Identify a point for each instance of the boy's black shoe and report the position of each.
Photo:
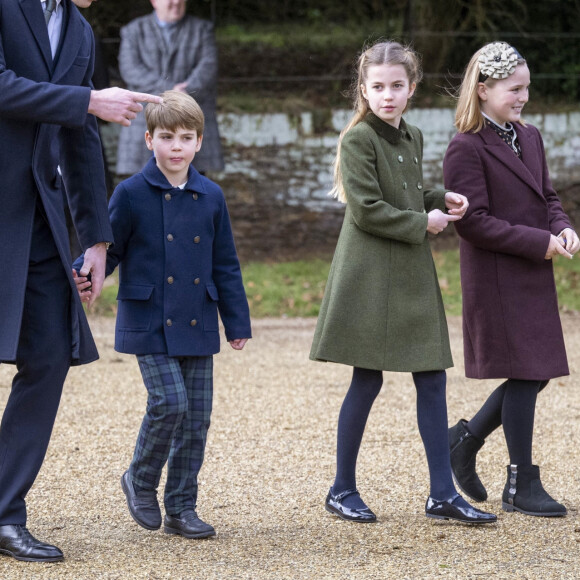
(188, 525)
(18, 542)
(143, 505)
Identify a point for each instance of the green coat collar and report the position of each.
(387, 131)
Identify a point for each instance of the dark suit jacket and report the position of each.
(178, 266)
(44, 123)
(511, 323)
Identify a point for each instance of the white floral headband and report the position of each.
(497, 60)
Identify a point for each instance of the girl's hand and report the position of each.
(556, 247)
(437, 220)
(238, 343)
(456, 203)
(570, 239)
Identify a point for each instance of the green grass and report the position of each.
(567, 275)
(447, 264)
(285, 289)
(292, 289)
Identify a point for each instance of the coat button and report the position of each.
(169, 322)
(169, 237)
(195, 196)
(419, 186)
(404, 185)
(170, 280)
(168, 196)
(196, 239)
(193, 322)
(415, 160)
(400, 158)
(196, 281)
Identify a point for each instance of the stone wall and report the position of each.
(279, 170)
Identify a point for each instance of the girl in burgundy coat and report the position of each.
(513, 228)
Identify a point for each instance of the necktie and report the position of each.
(50, 6)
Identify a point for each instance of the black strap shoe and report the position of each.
(143, 505)
(18, 542)
(188, 524)
(447, 510)
(334, 505)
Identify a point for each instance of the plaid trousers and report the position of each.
(175, 425)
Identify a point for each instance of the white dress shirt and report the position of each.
(54, 25)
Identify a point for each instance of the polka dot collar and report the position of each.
(507, 134)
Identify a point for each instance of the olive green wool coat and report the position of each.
(382, 308)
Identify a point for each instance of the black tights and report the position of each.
(513, 405)
(431, 418)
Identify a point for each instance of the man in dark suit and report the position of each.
(47, 120)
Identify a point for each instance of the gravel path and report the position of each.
(269, 463)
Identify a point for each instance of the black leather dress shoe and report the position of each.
(334, 505)
(188, 525)
(143, 505)
(446, 510)
(18, 542)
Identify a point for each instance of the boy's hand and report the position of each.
(238, 343)
(83, 286)
(94, 264)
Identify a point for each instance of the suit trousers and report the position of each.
(175, 425)
(42, 362)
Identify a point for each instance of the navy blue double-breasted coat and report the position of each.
(177, 266)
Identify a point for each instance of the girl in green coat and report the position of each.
(382, 309)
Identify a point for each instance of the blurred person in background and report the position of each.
(168, 49)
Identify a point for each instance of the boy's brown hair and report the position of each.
(177, 111)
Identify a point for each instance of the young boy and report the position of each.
(178, 267)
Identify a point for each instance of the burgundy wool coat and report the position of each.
(511, 323)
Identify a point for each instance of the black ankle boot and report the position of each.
(524, 493)
(463, 447)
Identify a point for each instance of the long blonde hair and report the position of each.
(383, 52)
(468, 115)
